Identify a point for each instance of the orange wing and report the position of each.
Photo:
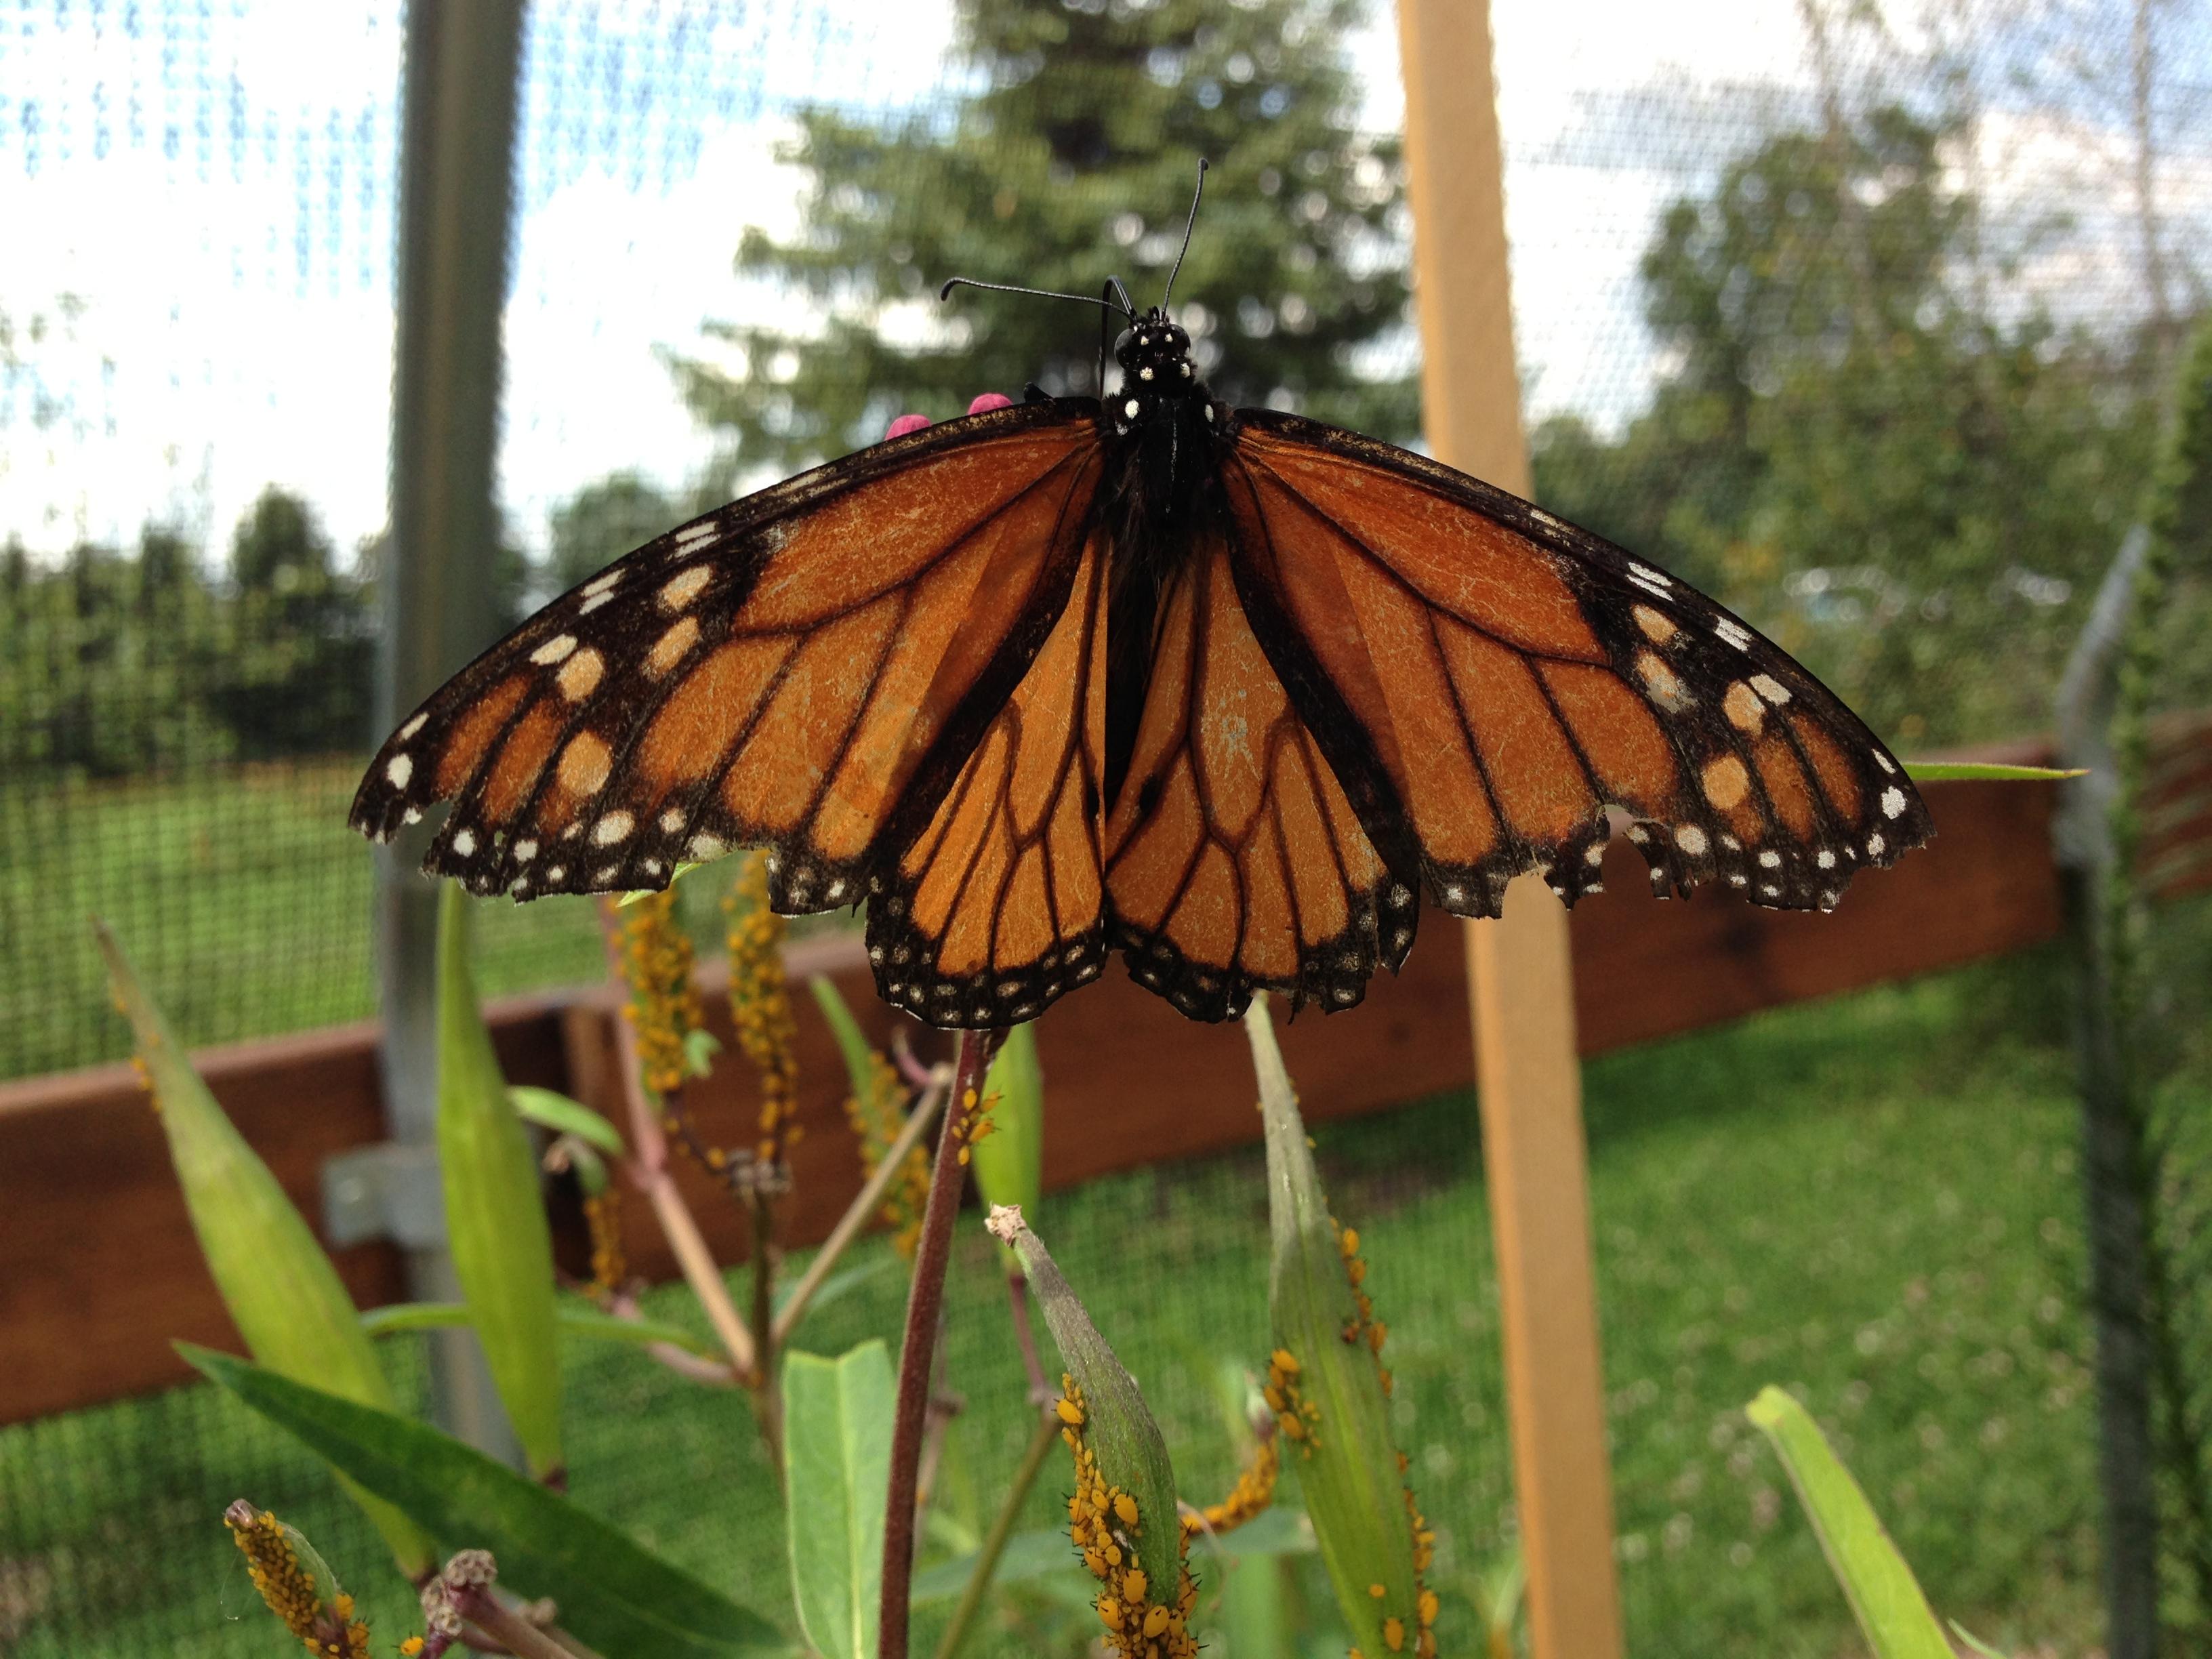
(808, 670)
(1234, 860)
(996, 909)
(1488, 681)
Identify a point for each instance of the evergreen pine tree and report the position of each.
(1074, 157)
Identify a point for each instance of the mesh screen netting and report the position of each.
(1859, 316)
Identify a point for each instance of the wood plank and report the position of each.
(99, 1270)
(1520, 965)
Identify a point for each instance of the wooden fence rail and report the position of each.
(99, 1270)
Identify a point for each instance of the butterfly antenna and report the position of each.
(1123, 306)
(1191, 225)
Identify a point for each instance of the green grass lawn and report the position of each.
(243, 897)
(1871, 1200)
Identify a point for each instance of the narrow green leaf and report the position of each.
(1891, 1611)
(280, 1288)
(852, 1041)
(576, 1319)
(1337, 1433)
(1974, 1643)
(1028, 1556)
(550, 1108)
(613, 1594)
(682, 870)
(495, 1224)
(837, 1464)
(1009, 1162)
(1978, 772)
(1118, 1427)
(839, 1285)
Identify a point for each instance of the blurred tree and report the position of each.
(1849, 449)
(1074, 158)
(300, 656)
(601, 522)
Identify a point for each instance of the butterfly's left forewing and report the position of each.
(806, 669)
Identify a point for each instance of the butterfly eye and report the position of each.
(1122, 346)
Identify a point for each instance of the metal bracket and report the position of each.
(388, 1191)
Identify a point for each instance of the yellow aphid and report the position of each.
(1394, 1633)
(1376, 1332)
(1070, 1412)
(1348, 1242)
(1125, 1507)
(1109, 1613)
(1284, 1360)
(1134, 1584)
(1428, 1606)
(1376, 1592)
(1156, 1621)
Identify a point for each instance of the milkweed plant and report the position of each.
(504, 1560)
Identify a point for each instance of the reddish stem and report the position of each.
(924, 1304)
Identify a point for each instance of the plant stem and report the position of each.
(1041, 1393)
(511, 1631)
(856, 1215)
(768, 1397)
(1002, 1528)
(924, 1303)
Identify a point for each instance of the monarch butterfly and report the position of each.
(1226, 690)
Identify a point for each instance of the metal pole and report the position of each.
(1521, 977)
(456, 190)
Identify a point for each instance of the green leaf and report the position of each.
(576, 1319)
(1978, 772)
(1028, 1556)
(1346, 1461)
(280, 1288)
(495, 1224)
(1974, 1643)
(681, 871)
(613, 1593)
(852, 1041)
(1891, 1611)
(837, 1464)
(1009, 1162)
(841, 1283)
(1118, 1427)
(550, 1108)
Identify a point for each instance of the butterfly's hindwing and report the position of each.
(994, 909)
(1234, 860)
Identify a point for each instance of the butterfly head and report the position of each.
(1156, 366)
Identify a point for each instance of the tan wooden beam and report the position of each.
(1520, 968)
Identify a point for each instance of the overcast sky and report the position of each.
(216, 192)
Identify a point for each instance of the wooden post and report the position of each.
(1519, 970)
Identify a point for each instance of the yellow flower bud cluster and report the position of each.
(603, 1218)
(1297, 1417)
(663, 1007)
(272, 1562)
(760, 1006)
(876, 1122)
(1103, 1522)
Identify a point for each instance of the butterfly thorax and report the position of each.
(1161, 489)
(1158, 377)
